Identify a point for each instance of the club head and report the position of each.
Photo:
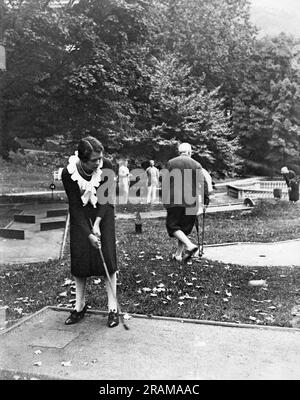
(198, 254)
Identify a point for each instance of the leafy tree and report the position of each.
(214, 37)
(35, 42)
(79, 70)
(266, 113)
(184, 110)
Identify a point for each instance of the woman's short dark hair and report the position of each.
(87, 145)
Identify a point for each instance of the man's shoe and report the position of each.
(113, 319)
(76, 316)
(190, 253)
(176, 258)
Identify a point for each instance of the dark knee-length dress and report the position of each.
(85, 259)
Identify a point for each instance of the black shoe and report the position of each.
(76, 316)
(190, 254)
(113, 319)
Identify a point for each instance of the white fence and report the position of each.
(259, 189)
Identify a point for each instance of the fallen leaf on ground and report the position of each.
(37, 363)
(270, 318)
(67, 282)
(253, 318)
(188, 297)
(66, 363)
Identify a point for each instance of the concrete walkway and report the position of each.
(41, 346)
(153, 348)
(285, 253)
(38, 245)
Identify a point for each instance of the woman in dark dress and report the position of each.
(91, 225)
(292, 182)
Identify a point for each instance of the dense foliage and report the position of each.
(143, 75)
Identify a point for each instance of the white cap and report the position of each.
(184, 148)
(284, 170)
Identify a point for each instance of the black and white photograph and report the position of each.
(149, 193)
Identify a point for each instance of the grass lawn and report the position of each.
(29, 172)
(152, 284)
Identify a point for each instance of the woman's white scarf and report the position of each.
(87, 187)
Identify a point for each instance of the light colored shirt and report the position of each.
(123, 173)
(153, 176)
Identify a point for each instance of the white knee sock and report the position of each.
(112, 304)
(80, 293)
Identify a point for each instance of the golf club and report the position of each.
(198, 236)
(111, 286)
(203, 221)
(200, 247)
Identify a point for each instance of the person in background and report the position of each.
(178, 197)
(153, 182)
(91, 225)
(124, 182)
(292, 182)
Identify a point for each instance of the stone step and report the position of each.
(57, 213)
(45, 226)
(12, 233)
(28, 219)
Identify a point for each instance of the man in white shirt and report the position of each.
(153, 182)
(124, 181)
